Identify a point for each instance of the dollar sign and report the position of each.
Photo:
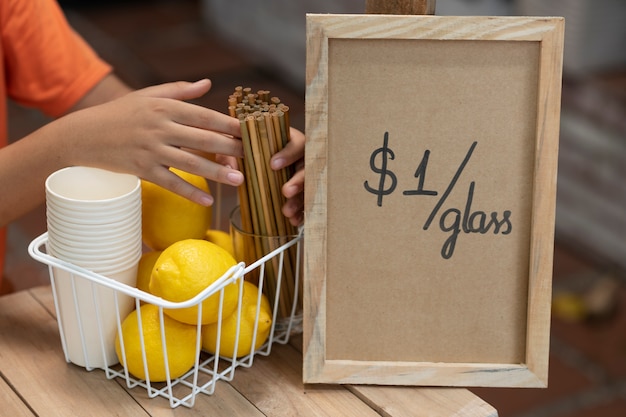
(383, 171)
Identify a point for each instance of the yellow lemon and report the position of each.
(180, 341)
(144, 269)
(167, 217)
(221, 238)
(228, 331)
(185, 269)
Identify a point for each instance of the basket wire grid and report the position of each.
(208, 368)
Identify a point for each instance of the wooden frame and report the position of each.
(325, 205)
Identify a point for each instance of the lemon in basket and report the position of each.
(184, 270)
(180, 341)
(228, 331)
(167, 217)
(144, 269)
(221, 238)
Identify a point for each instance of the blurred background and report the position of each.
(261, 44)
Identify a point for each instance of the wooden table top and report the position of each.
(36, 381)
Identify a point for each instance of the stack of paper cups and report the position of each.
(94, 222)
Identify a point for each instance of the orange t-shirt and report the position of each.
(45, 65)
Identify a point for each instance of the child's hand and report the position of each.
(293, 190)
(147, 131)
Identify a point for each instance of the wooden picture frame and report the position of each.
(430, 189)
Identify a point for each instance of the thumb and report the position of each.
(179, 90)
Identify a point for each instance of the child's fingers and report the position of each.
(180, 90)
(292, 152)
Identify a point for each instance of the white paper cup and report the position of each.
(78, 244)
(95, 247)
(92, 219)
(108, 268)
(94, 222)
(112, 232)
(94, 251)
(87, 188)
(88, 314)
(102, 239)
(96, 261)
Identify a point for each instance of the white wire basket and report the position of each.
(97, 292)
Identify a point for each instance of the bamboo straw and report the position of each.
(264, 123)
(249, 214)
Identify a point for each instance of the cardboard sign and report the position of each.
(431, 164)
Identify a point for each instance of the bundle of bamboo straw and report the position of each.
(264, 131)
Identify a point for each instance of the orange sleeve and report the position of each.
(48, 66)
